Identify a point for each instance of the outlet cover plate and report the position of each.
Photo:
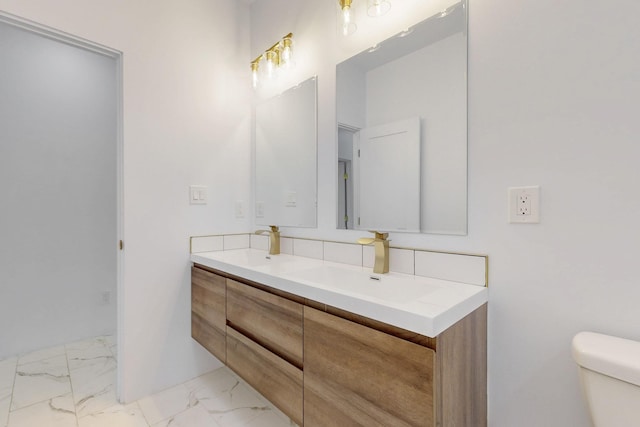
(524, 205)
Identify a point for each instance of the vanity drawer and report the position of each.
(208, 311)
(358, 376)
(271, 376)
(270, 320)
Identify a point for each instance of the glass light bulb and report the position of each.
(378, 7)
(286, 56)
(348, 25)
(270, 64)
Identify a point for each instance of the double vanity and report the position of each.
(332, 344)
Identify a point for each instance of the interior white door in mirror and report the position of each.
(285, 162)
(387, 176)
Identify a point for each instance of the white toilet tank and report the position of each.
(610, 374)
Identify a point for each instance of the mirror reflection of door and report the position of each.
(345, 176)
(387, 176)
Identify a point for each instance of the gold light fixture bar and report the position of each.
(277, 55)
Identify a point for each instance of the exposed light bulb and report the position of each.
(378, 7)
(286, 56)
(347, 18)
(271, 63)
(254, 74)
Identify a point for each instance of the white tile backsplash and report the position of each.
(401, 260)
(206, 244)
(463, 268)
(346, 253)
(286, 245)
(308, 248)
(236, 241)
(455, 267)
(259, 241)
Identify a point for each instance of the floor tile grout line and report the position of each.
(13, 387)
(73, 395)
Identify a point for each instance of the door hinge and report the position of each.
(358, 220)
(121, 245)
(345, 176)
(358, 152)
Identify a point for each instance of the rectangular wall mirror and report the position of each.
(286, 158)
(402, 130)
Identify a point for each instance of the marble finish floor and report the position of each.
(73, 385)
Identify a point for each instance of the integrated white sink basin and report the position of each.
(386, 287)
(420, 304)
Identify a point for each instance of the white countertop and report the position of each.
(420, 304)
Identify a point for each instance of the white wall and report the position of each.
(186, 121)
(58, 138)
(553, 100)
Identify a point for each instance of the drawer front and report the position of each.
(213, 339)
(272, 321)
(208, 313)
(357, 376)
(271, 376)
(208, 297)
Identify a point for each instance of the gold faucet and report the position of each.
(381, 246)
(274, 239)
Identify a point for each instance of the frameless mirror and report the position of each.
(402, 130)
(286, 158)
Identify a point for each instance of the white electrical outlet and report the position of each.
(524, 205)
(239, 209)
(259, 209)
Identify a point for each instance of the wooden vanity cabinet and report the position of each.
(208, 311)
(358, 376)
(264, 344)
(325, 367)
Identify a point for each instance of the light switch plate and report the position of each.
(524, 205)
(198, 194)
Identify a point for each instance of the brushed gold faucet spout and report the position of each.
(381, 246)
(274, 239)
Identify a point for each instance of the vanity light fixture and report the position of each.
(347, 19)
(278, 55)
(378, 7)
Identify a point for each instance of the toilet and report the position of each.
(610, 375)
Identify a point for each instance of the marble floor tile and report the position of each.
(196, 416)
(94, 385)
(236, 406)
(87, 352)
(211, 384)
(115, 416)
(268, 419)
(55, 412)
(38, 355)
(7, 376)
(39, 381)
(166, 404)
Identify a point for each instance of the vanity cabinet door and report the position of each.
(273, 377)
(270, 320)
(208, 311)
(357, 376)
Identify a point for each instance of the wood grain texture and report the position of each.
(209, 337)
(208, 311)
(272, 321)
(461, 366)
(357, 376)
(271, 376)
(208, 297)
